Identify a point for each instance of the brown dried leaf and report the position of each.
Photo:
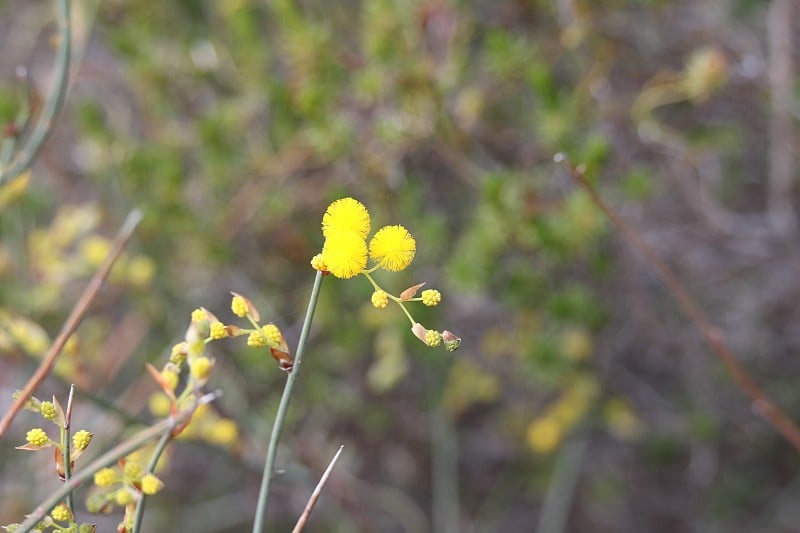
(410, 292)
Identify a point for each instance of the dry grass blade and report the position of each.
(74, 318)
(301, 522)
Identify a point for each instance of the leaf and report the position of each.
(410, 292)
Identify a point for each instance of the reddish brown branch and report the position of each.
(74, 319)
(713, 336)
(301, 523)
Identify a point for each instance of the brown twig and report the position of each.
(713, 336)
(74, 318)
(301, 522)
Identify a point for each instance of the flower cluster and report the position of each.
(345, 254)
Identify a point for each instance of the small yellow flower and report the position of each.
(81, 439)
(48, 410)
(318, 264)
(178, 353)
(60, 513)
(218, 331)
(132, 469)
(346, 214)
(198, 315)
(37, 437)
(380, 299)
(223, 432)
(345, 254)
(170, 378)
(159, 404)
(272, 333)
(200, 367)
(431, 297)
(151, 484)
(256, 339)
(123, 496)
(105, 477)
(392, 248)
(239, 306)
(433, 338)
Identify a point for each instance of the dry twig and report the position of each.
(301, 522)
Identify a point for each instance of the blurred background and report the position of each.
(581, 398)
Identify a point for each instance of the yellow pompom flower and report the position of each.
(223, 432)
(431, 297)
(239, 306)
(200, 367)
(151, 484)
(37, 437)
(345, 254)
(318, 264)
(346, 214)
(81, 439)
(159, 404)
(256, 339)
(60, 513)
(170, 378)
(178, 353)
(198, 315)
(433, 338)
(48, 410)
(123, 496)
(132, 469)
(272, 333)
(392, 248)
(105, 477)
(380, 299)
(218, 331)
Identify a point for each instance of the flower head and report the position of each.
(238, 306)
(37, 437)
(48, 410)
(60, 513)
(151, 484)
(392, 248)
(81, 439)
(272, 334)
(105, 477)
(345, 254)
(433, 338)
(431, 297)
(346, 214)
(318, 264)
(200, 368)
(380, 299)
(218, 331)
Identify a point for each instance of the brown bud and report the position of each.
(410, 292)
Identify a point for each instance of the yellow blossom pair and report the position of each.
(345, 226)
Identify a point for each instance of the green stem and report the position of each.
(107, 459)
(43, 125)
(277, 426)
(160, 447)
(395, 299)
(66, 456)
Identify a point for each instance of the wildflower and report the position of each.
(170, 378)
(223, 432)
(380, 299)
(60, 513)
(201, 367)
(159, 404)
(178, 353)
(346, 214)
(318, 264)
(81, 439)
(272, 334)
(345, 254)
(37, 437)
(218, 331)
(431, 297)
(256, 339)
(392, 248)
(238, 306)
(123, 496)
(105, 477)
(433, 338)
(151, 484)
(48, 410)
(198, 315)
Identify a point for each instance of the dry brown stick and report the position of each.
(301, 522)
(74, 318)
(713, 336)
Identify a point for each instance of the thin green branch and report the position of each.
(65, 446)
(160, 447)
(44, 123)
(269, 464)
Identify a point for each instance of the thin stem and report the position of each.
(65, 446)
(444, 471)
(269, 464)
(301, 522)
(160, 447)
(561, 489)
(74, 318)
(43, 125)
(107, 459)
(395, 299)
(712, 335)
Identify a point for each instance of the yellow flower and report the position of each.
(159, 404)
(239, 306)
(178, 353)
(380, 299)
(218, 331)
(256, 339)
(345, 254)
(431, 297)
(170, 378)
(48, 410)
(272, 333)
(105, 477)
(198, 315)
(433, 338)
(123, 496)
(223, 432)
(151, 484)
(392, 248)
(200, 367)
(81, 439)
(132, 469)
(346, 214)
(60, 513)
(37, 437)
